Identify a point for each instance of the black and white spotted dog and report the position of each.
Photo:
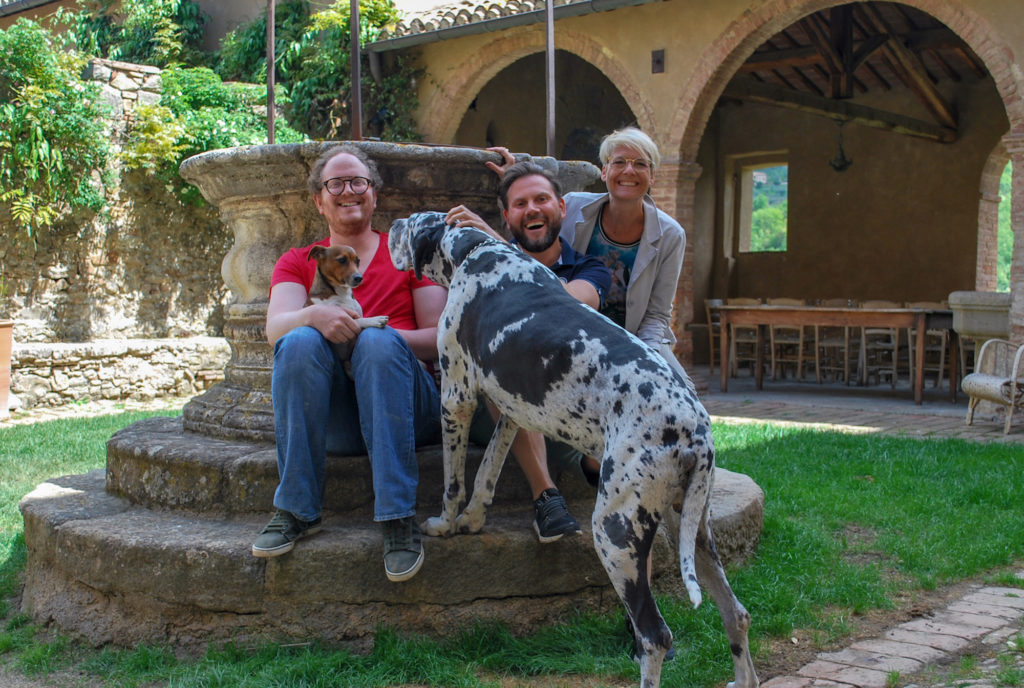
(511, 332)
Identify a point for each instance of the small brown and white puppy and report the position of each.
(337, 273)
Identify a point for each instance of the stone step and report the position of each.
(111, 571)
(155, 462)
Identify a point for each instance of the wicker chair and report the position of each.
(998, 378)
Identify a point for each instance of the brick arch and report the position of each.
(736, 43)
(985, 278)
(443, 113)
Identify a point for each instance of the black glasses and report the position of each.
(336, 185)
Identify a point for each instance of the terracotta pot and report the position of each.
(6, 342)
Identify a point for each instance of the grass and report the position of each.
(851, 521)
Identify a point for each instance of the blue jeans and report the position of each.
(392, 406)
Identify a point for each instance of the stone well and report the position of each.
(156, 548)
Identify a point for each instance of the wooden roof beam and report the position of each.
(911, 67)
(839, 110)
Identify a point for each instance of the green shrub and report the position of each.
(53, 138)
(151, 32)
(312, 64)
(243, 52)
(197, 112)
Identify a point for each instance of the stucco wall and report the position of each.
(902, 223)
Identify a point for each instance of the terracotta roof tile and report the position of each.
(461, 14)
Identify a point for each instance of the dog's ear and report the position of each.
(316, 252)
(425, 232)
(422, 251)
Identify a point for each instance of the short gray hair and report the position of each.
(630, 137)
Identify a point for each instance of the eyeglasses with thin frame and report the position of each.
(639, 164)
(336, 185)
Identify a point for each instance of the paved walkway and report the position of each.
(987, 622)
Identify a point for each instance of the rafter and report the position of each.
(911, 67)
(839, 110)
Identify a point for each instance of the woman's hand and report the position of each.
(507, 160)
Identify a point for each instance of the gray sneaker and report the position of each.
(403, 549)
(279, 536)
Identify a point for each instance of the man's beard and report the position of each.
(541, 244)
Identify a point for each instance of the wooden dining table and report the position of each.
(917, 320)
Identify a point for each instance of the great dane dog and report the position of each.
(511, 332)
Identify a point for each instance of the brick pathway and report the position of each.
(986, 621)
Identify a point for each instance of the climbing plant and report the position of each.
(53, 136)
(312, 65)
(151, 32)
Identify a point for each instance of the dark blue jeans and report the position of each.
(392, 406)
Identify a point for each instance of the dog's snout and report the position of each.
(357, 279)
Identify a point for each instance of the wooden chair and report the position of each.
(832, 347)
(879, 348)
(998, 377)
(936, 345)
(742, 340)
(787, 342)
(714, 318)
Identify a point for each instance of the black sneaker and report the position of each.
(553, 519)
(635, 652)
(279, 536)
(403, 549)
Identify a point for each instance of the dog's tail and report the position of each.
(695, 507)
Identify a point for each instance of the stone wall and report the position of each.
(143, 369)
(146, 267)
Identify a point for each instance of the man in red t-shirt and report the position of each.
(316, 407)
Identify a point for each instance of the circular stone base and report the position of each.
(109, 569)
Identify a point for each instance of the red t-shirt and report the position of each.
(384, 290)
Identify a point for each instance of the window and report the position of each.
(763, 206)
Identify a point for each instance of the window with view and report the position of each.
(764, 207)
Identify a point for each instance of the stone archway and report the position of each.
(443, 113)
(588, 105)
(738, 41)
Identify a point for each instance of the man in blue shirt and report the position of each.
(533, 210)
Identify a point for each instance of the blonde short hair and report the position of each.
(630, 137)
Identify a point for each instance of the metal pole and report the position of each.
(270, 70)
(356, 80)
(550, 80)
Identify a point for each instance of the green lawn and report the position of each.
(850, 520)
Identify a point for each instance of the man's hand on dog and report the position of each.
(461, 216)
(335, 324)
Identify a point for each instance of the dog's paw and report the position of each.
(436, 526)
(469, 523)
(379, 321)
